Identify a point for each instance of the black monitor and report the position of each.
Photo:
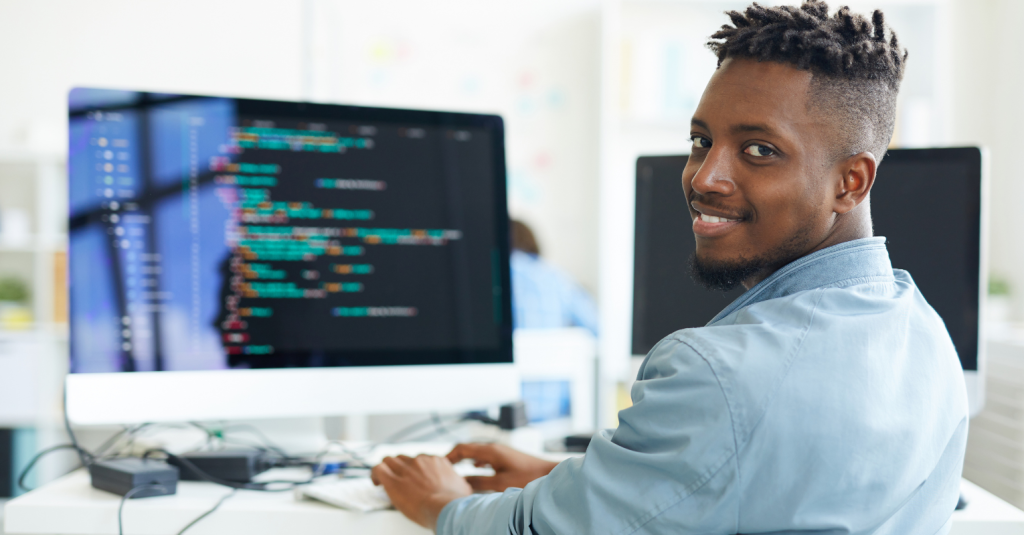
(215, 233)
(926, 202)
(665, 298)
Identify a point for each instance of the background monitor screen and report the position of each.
(214, 233)
(926, 202)
(665, 298)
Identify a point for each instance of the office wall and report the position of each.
(533, 62)
(988, 65)
(49, 46)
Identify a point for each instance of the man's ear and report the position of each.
(857, 177)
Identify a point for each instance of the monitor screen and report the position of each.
(665, 298)
(215, 233)
(926, 202)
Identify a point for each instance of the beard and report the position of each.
(722, 276)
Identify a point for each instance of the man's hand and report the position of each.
(511, 468)
(420, 487)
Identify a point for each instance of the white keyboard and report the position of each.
(356, 494)
(360, 494)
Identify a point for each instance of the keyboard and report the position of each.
(360, 494)
(355, 494)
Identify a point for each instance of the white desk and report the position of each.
(70, 506)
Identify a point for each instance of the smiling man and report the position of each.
(826, 399)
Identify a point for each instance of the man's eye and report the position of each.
(758, 150)
(700, 142)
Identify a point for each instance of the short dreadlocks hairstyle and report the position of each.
(856, 70)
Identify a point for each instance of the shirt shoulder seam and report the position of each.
(725, 395)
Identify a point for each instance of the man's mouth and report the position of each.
(713, 224)
(715, 219)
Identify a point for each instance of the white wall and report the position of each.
(988, 67)
(197, 46)
(534, 62)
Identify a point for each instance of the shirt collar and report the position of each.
(863, 259)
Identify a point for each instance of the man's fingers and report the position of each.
(458, 453)
(396, 464)
(380, 473)
(485, 483)
(481, 453)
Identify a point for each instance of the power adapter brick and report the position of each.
(236, 466)
(122, 475)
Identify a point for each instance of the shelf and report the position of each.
(58, 331)
(54, 244)
(31, 156)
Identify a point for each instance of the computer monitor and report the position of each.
(928, 203)
(238, 258)
(665, 298)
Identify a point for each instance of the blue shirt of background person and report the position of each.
(543, 297)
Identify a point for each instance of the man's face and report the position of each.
(759, 162)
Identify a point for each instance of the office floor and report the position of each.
(2, 502)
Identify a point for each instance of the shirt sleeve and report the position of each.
(669, 467)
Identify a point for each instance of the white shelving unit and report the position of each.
(36, 185)
(33, 361)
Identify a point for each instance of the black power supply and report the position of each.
(151, 477)
(235, 466)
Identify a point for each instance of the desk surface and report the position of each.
(70, 506)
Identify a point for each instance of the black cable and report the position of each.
(128, 495)
(100, 453)
(216, 480)
(435, 432)
(440, 426)
(400, 435)
(260, 435)
(109, 443)
(28, 468)
(83, 455)
(318, 464)
(129, 431)
(209, 512)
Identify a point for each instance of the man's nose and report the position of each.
(715, 174)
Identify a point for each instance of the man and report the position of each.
(826, 399)
(542, 296)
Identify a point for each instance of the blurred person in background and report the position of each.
(543, 297)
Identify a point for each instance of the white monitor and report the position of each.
(237, 258)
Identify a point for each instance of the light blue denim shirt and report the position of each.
(827, 399)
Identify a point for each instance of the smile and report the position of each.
(713, 219)
(709, 226)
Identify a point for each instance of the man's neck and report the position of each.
(854, 225)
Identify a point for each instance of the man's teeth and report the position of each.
(713, 219)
